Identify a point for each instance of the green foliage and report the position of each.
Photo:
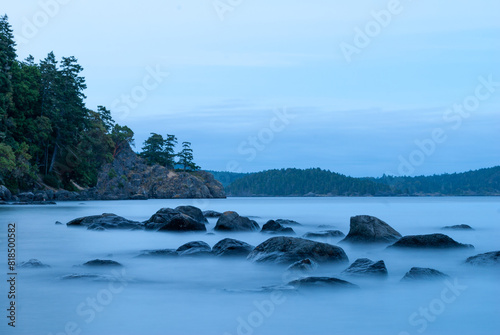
(45, 128)
(112, 173)
(157, 150)
(186, 158)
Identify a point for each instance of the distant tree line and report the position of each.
(297, 182)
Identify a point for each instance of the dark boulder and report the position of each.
(430, 241)
(232, 221)
(487, 259)
(286, 222)
(195, 248)
(105, 221)
(325, 234)
(158, 253)
(274, 227)
(305, 265)
(232, 247)
(33, 263)
(287, 250)
(168, 219)
(211, 214)
(102, 262)
(5, 194)
(193, 212)
(58, 222)
(423, 274)
(459, 227)
(40, 196)
(369, 229)
(366, 267)
(65, 196)
(321, 282)
(26, 197)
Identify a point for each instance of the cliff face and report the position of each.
(129, 177)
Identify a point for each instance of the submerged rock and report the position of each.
(321, 282)
(33, 263)
(369, 229)
(211, 214)
(416, 273)
(195, 248)
(286, 222)
(287, 250)
(232, 247)
(366, 267)
(430, 241)
(274, 227)
(487, 259)
(92, 276)
(158, 253)
(459, 227)
(102, 262)
(106, 221)
(168, 219)
(324, 234)
(305, 265)
(232, 221)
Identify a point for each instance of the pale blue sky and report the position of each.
(226, 78)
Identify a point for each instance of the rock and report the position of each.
(431, 241)
(287, 250)
(487, 259)
(26, 197)
(2, 202)
(459, 227)
(33, 263)
(232, 247)
(321, 282)
(40, 196)
(325, 234)
(58, 222)
(285, 222)
(423, 274)
(128, 176)
(273, 227)
(5, 194)
(168, 219)
(193, 212)
(102, 262)
(158, 253)
(105, 221)
(232, 221)
(195, 248)
(369, 229)
(138, 197)
(211, 214)
(366, 267)
(305, 265)
(66, 196)
(92, 276)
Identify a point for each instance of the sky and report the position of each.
(361, 87)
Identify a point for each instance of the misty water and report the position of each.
(222, 296)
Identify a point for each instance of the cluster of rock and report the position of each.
(301, 255)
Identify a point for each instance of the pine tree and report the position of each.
(186, 158)
(153, 150)
(7, 59)
(169, 150)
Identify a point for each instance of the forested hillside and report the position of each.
(296, 182)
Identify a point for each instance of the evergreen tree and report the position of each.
(153, 150)
(186, 158)
(7, 59)
(169, 150)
